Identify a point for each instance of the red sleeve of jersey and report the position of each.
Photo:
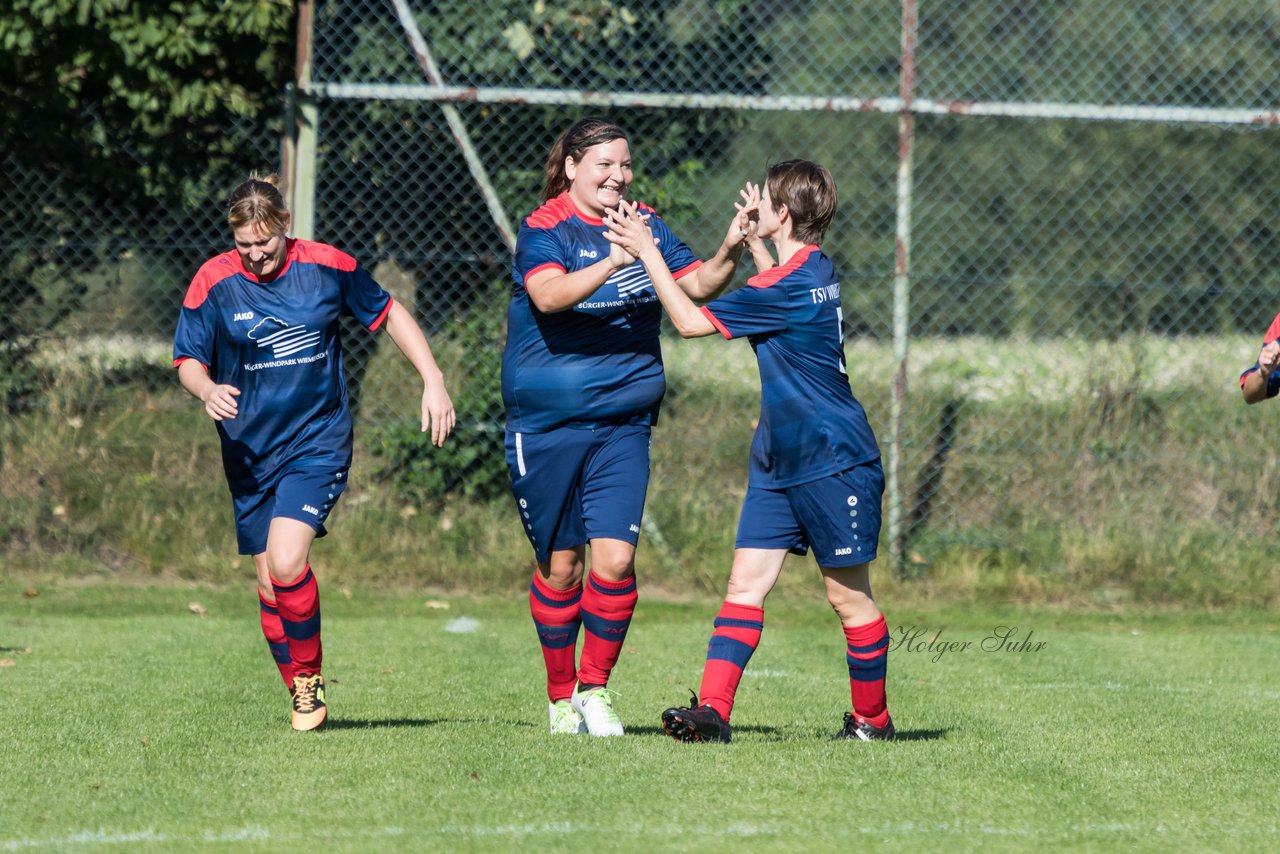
(177, 362)
(550, 265)
(680, 274)
(720, 327)
(1273, 331)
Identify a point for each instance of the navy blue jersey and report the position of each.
(810, 425)
(278, 343)
(598, 362)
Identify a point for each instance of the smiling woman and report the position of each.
(258, 343)
(582, 382)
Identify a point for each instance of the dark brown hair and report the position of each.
(808, 191)
(574, 142)
(258, 202)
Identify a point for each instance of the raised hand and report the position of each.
(629, 232)
(746, 221)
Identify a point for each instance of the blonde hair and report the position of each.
(258, 202)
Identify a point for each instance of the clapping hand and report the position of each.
(747, 219)
(629, 233)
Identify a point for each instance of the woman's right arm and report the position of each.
(1254, 386)
(554, 290)
(219, 400)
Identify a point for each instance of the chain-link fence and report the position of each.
(88, 280)
(1056, 232)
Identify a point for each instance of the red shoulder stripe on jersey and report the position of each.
(381, 317)
(776, 274)
(686, 270)
(715, 321)
(311, 252)
(214, 270)
(180, 360)
(552, 212)
(550, 265)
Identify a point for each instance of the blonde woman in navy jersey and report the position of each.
(258, 343)
(815, 477)
(582, 383)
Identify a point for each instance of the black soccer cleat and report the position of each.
(695, 723)
(863, 731)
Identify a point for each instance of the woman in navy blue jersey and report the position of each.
(815, 477)
(582, 383)
(258, 343)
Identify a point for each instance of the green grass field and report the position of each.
(130, 722)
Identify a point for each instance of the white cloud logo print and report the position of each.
(283, 339)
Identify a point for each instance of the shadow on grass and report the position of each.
(346, 723)
(658, 730)
(921, 734)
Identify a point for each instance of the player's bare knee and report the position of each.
(286, 568)
(852, 606)
(613, 567)
(562, 571)
(746, 590)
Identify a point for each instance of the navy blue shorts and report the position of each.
(576, 484)
(837, 516)
(303, 494)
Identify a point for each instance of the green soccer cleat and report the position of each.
(596, 708)
(565, 720)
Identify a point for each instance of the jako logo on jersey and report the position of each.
(242, 315)
(588, 253)
(845, 551)
(634, 529)
(283, 339)
(313, 511)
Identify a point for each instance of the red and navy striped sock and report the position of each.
(868, 657)
(273, 631)
(733, 640)
(607, 607)
(299, 607)
(556, 616)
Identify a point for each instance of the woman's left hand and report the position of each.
(745, 223)
(438, 416)
(629, 229)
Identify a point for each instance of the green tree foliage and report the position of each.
(119, 117)
(121, 97)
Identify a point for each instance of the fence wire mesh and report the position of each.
(1085, 282)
